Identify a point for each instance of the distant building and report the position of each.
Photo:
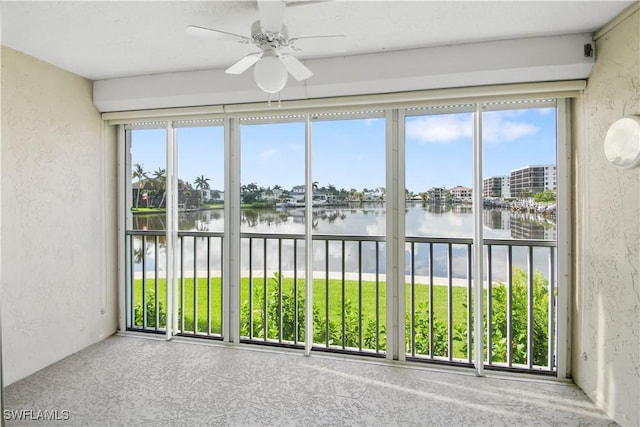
(460, 194)
(530, 180)
(496, 187)
(210, 194)
(437, 195)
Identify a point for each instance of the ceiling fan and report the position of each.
(269, 34)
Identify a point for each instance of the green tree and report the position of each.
(547, 196)
(160, 179)
(201, 183)
(141, 176)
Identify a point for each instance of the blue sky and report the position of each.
(351, 153)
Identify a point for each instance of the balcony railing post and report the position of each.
(552, 309)
(489, 305)
(509, 306)
(530, 296)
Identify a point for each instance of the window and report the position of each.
(289, 230)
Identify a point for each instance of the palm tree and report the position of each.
(160, 177)
(201, 183)
(141, 176)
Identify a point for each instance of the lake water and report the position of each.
(366, 219)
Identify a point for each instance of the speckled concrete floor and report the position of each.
(131, 381)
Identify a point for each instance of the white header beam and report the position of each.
(538, 59)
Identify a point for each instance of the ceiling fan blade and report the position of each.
(244, 64)
(330, 36)
(296, 68)
(291, 3)
(305, 40)
(194, 30)
(271, 15)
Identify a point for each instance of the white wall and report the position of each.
(58, 216)
(606, 312)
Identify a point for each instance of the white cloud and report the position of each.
(293, 146)
(440, 129)
(496, 127)
(511, 130)
(268, 156)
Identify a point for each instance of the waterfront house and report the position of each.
(460, 194)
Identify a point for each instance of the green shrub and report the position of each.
(519, 320)
(151, 312)
(422, 326)
(421, 333)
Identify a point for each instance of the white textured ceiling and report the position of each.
(103, 40)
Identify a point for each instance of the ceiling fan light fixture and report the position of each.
(270, 73)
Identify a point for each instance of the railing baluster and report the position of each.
(221, 285)
(551, 326)
(208, 285)
(360, 295)
(183, 328)
(131, 291)
(377, 296)
(295, 290)
(144, 282)
(195, 286)
(412, 302)
(450, 302)
(265, 296)
(431, 346)
(344, 337)
(489, 306)
(155, 281)
(326, 294)
(510, 306)
(530, 297)
(470, 306)
(250, 288)
(280, 289)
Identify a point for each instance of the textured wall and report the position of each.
(58, 216)
(606, 316)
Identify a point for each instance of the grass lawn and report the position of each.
(210, 313)
(141, 210)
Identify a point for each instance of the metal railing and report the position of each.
(519, 308)
(199, 283)
(349, 286)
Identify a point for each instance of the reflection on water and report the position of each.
(520, 224)
(367, 219)
(362, 219)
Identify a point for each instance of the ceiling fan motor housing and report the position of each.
(264, 39)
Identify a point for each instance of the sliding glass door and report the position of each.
(426, 233)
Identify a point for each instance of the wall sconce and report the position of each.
(622, 142)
